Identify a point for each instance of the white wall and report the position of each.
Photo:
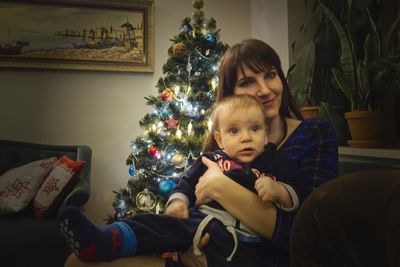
(269, 22)
(100, 109)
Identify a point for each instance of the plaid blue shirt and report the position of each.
(313, 148)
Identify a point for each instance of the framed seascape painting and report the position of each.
(97, 35)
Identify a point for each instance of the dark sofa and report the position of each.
(26, 241)
(352, 220)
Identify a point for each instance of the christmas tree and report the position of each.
(175, 131)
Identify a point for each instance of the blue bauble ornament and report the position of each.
(185, 29)
(132, 170)
(165, 187)
(212, 39)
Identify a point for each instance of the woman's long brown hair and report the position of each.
(258, 56)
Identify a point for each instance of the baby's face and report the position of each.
(242, 133)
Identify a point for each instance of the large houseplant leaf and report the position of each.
(341, 82)
(347, 60)
(372, 44)
(338, 122)
(300, 75)
(392, 38)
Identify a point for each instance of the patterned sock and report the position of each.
(90, 242)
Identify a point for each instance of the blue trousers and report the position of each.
(163, 233)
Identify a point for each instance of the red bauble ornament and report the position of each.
(152, 150)
(166, 95)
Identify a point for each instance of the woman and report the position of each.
(253, 67)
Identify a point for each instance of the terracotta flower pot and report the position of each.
(367, 128)
(311, 112)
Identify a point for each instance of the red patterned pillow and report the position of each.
(61, 179)
(18, 186)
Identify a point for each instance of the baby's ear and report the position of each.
(218, 139)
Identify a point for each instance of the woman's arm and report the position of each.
(241, 203)
(316, 151)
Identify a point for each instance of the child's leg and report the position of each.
(140, 234)
(90, 242)
(221, 247)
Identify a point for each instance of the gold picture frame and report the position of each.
(93, 35)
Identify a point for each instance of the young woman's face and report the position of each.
(266, 86)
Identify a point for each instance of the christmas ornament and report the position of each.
(187, 107)
(172, 123)
(165, 187)
(211, 39)
(198, 4)
(167, 95)
(132, 170)
(178, 160)
(185, 29)
(200, 96)
(146, 200)
(178, 49)
(152, 150)
(165, 113)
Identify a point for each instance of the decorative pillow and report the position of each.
(61, 179)
(19, 186)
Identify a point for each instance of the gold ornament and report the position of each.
(198, 4)
(178, 49)
(146, 200)
(178, 160)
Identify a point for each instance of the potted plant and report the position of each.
(365, 80)
(315, 50)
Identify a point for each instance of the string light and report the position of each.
(178, 134)
(177, 89)
(209, 124)
(214, 83)
(190, 126)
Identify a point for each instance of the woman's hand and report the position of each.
(208, 181)
(189, 259)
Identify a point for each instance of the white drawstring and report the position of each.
(232, 230)
(199, 231)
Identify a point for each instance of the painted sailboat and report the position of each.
(14, 48)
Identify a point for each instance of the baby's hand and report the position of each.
(177, 208)
(267, 188)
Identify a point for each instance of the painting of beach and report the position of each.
(77, 35)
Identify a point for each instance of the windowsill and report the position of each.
(389, 153)
(353, 159)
